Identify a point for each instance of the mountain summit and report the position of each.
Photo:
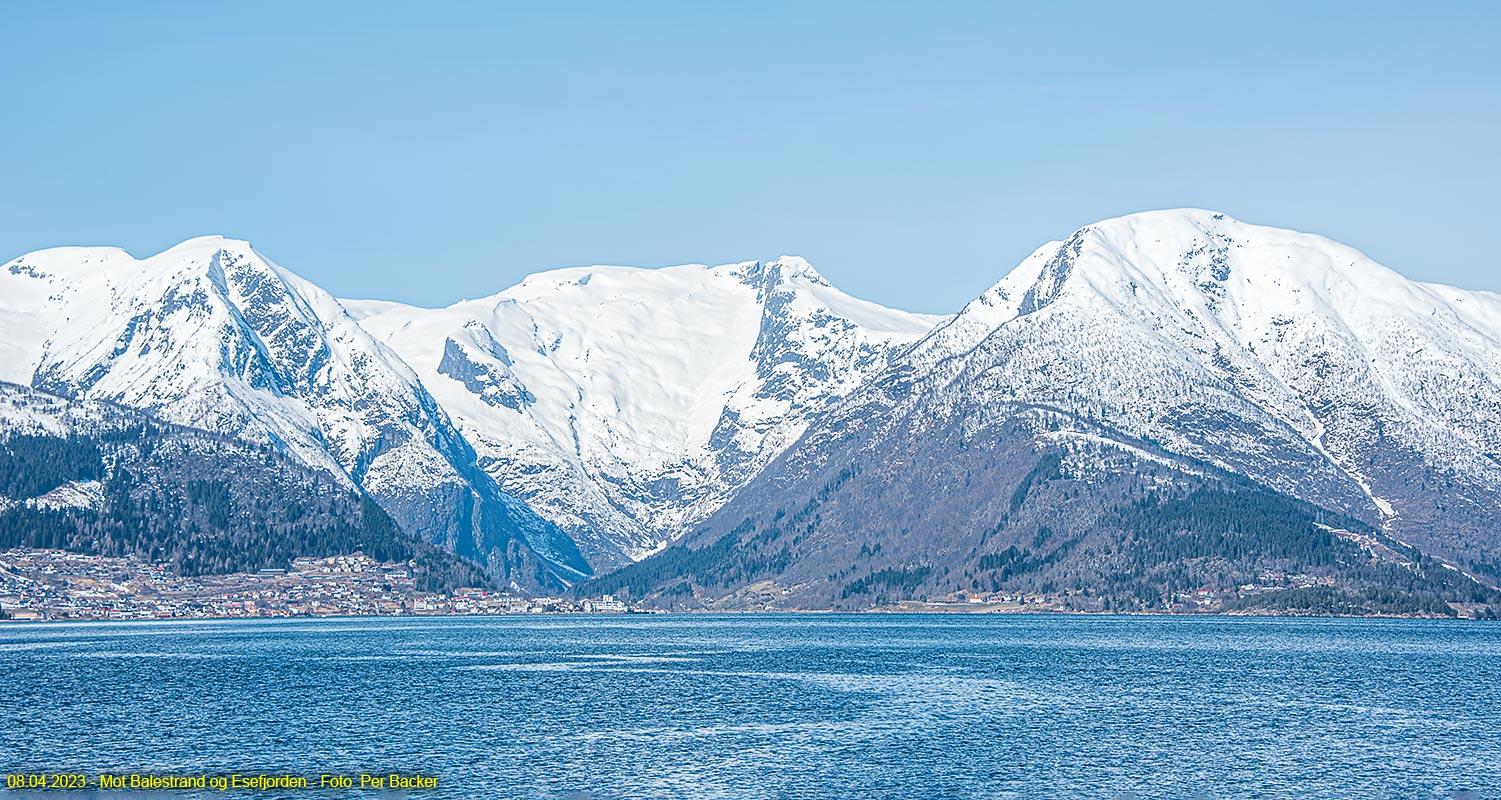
(213, 335)
(624, 403)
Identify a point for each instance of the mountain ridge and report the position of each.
(593, 415)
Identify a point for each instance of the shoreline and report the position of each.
(60, 586)
(752, 613)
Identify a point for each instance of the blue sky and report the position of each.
(914, 152)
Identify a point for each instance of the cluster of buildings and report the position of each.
(58, 585)
(1268, 581)
(992, 598)
(1275, 581)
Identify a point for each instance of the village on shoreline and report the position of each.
(59, 585)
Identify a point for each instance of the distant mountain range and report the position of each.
(1163, 402)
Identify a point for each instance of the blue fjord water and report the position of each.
(863, 706)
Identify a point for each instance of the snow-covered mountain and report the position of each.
(623, 403)
(1282, 356)
(213, 335)
(1149, 356)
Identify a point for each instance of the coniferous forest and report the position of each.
(1114, 544)
(201, 503)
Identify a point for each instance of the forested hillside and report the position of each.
(1089, 527)
(114, 482)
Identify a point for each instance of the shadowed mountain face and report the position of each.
(1146, 363)
(1003, 502)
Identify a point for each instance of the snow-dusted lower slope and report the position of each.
(625, 403)
(213, 335)
(95, 477)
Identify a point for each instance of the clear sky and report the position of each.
(914, 152)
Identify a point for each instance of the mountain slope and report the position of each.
(1158, 354)
(211, 334)
(624, 404)
(1285, 357)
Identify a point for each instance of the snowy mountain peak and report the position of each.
(781, 271)
(1211, 265)
(1194, 252)
(210, 242)
(1278, 355)
(625, 402)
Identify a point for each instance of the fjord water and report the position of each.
(866, 706)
